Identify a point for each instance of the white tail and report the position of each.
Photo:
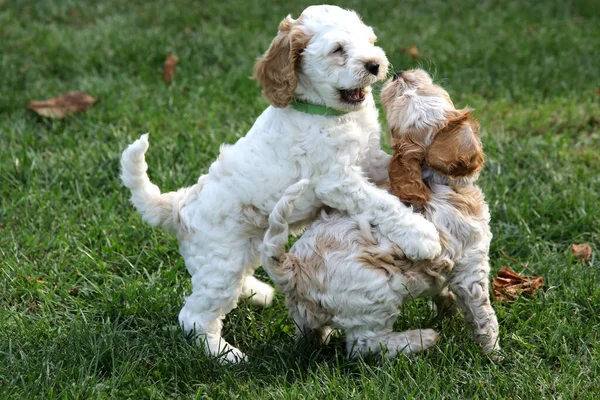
(155, 208)
(273, 250)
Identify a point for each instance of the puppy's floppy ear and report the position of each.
(405, 171)
(456, 149)
(276, 69)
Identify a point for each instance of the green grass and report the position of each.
(89, 295)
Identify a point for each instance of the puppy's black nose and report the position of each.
(372, 67)
(397, 75)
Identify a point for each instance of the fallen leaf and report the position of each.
(413, 52)
(582, 251)
(38, 280)
(509, 285)
(188, 31)
(169, 69)
(23, 69)
(63, 105)
(598, 91)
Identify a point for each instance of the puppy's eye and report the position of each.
(338, 50)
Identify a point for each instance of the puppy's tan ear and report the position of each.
(276, 69)
(405, 172)
(456, 150)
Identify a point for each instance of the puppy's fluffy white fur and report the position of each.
(220, 221)
(344, 274)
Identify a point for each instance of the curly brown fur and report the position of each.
(276, 69)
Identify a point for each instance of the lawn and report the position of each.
(89, 295)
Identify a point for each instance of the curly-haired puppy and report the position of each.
(342, 273)
(323, 125)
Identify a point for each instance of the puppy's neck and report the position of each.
(307, 92)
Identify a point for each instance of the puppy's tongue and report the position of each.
(355, 94)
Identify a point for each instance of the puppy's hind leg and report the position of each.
(473, 299)
(216, 286)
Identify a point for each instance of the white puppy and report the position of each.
(323, 125)
(343, 273)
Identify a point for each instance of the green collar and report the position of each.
(315, 109)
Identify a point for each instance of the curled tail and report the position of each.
(274, 259)
(155, 208)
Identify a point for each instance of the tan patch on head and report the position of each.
(276, 69)
(417, 78)
(435, 91)
(456, 149)
(391, 94)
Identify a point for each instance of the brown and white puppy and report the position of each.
(342, 273)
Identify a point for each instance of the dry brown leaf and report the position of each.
(582, 251)
(413, 52)
(169, 69)
(598, 91)
(63, 105)
(509, 285)
(188, 31)
(38, 280)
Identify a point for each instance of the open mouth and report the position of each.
(353, 96)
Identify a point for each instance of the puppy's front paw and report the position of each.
(421, 241)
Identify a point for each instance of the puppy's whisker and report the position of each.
(390, 72)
